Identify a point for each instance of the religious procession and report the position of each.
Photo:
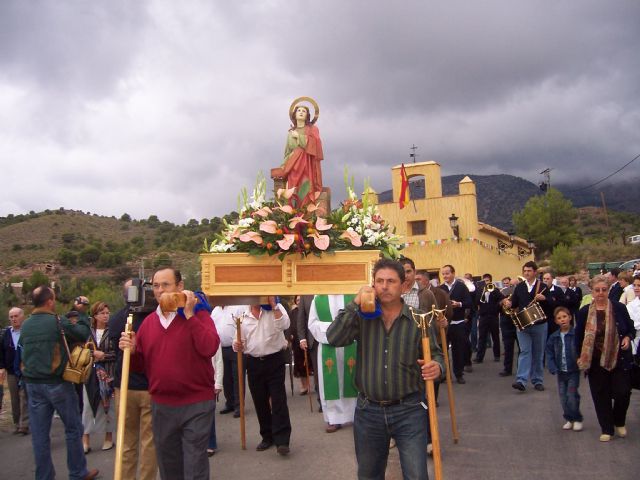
(347, 302)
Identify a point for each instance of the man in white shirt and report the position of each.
(226, 326)
(264, 344)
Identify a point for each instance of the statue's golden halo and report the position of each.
(298, 101)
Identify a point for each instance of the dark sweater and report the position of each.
(177, 360)
(522, 297)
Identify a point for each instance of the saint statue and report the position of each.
(302, 154)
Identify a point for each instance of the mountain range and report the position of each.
(501, 195)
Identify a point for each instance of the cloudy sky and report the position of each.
(170, 108)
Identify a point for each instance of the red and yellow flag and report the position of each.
(404, 188)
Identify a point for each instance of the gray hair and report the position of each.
(598, 279)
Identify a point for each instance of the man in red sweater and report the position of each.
(174, 349)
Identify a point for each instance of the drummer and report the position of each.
(532, 338)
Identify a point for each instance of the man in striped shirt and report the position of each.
(389, 376)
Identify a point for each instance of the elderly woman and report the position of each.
(98, 413)
(604, 332)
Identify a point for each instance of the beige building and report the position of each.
(427, 226)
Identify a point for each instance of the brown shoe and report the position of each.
(332, 428)
(92, 474)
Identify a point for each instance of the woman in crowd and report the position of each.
(604, 332)
(573, 285)
(634, 311)
(98, 414)
(625, 280)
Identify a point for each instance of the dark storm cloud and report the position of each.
(190, 99)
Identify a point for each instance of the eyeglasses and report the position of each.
(164, 285)
(600, 290)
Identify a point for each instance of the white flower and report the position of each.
(245, 222)
(368, 232)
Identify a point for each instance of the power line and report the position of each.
(607, 177)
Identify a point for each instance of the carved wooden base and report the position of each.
(240, 274)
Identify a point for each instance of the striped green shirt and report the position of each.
(386, 366)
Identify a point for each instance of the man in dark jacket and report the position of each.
(44, 358)
(489, 301)
(17, 391)
(457, 333)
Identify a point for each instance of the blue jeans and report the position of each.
(530, 361)
(374, 426)
(43, 400)
(568, 384)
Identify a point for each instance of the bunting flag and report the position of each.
(404, 188)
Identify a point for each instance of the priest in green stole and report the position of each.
(336, 365)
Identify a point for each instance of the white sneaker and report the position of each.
(605, 438)
(429, 449)
(621, 432)
(577, 426)
(567, 426)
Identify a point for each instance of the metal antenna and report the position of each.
(413, 154)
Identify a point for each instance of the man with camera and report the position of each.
(138, 433)
(174, 349)
(43, 363)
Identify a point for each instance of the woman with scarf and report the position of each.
(98, 414)
(604, 332)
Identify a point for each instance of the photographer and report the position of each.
(138, 431)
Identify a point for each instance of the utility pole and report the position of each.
(606, 218)
(546, 184)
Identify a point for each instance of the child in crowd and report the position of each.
(562, 360)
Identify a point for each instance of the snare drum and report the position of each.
(531, 315)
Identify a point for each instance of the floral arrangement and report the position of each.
(279, 227)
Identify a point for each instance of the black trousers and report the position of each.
(509, 339)
(230, 378)
(488, 324)
(611, 393)
(460, 347)
(266, 376)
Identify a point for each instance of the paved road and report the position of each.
(504, 435)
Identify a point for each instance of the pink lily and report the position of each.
(295, 221)
(287, 241)
(312, 207)
(322, 225)
(352, 236)
(286, 208)
(270, 226)
(321, 241)
(285, 192)
(236, 233)
(263, 212)
(251, 237)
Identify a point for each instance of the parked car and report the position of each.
(628, 265)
